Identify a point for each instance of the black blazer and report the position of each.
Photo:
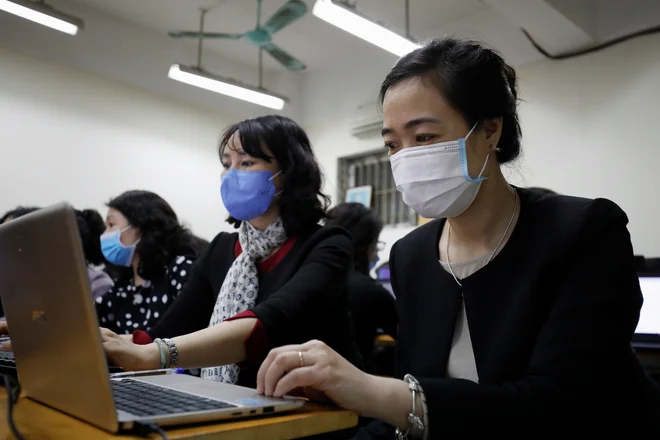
(551, 320)
(304, 297)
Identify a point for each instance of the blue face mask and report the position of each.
(247, 194)
(373, 264)
(113, 249)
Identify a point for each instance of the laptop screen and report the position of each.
(649, 317)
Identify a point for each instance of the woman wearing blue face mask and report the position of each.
(151, 257)
(516, 308)
(281, 279)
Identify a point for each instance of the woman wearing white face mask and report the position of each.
(516, 308)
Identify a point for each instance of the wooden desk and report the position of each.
(38, 422)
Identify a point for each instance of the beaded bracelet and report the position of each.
(162, 349)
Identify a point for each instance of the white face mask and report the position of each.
(434, 179)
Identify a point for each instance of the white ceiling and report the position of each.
(314, 42)
(127, 41)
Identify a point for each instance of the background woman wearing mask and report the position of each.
(152, 255)
(372, 307)
(280, 280)
(516, 308)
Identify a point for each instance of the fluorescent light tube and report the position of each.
(353, 23)
(42, 14)
(198, 78)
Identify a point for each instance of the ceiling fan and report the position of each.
(262, 35)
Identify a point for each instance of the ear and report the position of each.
(493, 131)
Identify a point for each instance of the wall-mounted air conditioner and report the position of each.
(366, 121)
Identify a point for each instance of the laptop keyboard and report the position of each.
(144, 399)
(7, 360)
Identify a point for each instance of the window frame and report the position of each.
(386, 200)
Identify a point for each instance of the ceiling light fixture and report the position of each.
(43, 14)
(347, 19)
(198, 77)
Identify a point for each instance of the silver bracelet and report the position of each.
(416, 426)
(174, 353)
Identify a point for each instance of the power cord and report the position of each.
(596, 48)
(12, 398)
(143, 429)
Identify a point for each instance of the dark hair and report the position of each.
(363, 224)
(17, 212)
(302, 204)
(474, 79)
(201, 244)
(90, 227)
(162, 237)
(543, 190)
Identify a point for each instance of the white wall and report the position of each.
(331, 98)
(69, 135)
(589, 127)
(590, 130)
(109, 47)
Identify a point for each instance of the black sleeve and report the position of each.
(402, 366)
(193, 306)
(580, 348)
(316, 286)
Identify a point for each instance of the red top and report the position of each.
(256, 344)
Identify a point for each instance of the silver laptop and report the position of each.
(57, 343)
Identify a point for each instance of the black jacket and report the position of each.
(551, 320)
(303, 297)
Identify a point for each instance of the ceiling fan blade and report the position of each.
(284, 58)
(193, 34)
(287, 14)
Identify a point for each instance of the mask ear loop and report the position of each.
(483, 168)
(121, 231)
(471, 130)
(276, 174)
(271, 179)
(496, 150)
(462, 144)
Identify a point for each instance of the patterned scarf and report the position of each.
(241, 285)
